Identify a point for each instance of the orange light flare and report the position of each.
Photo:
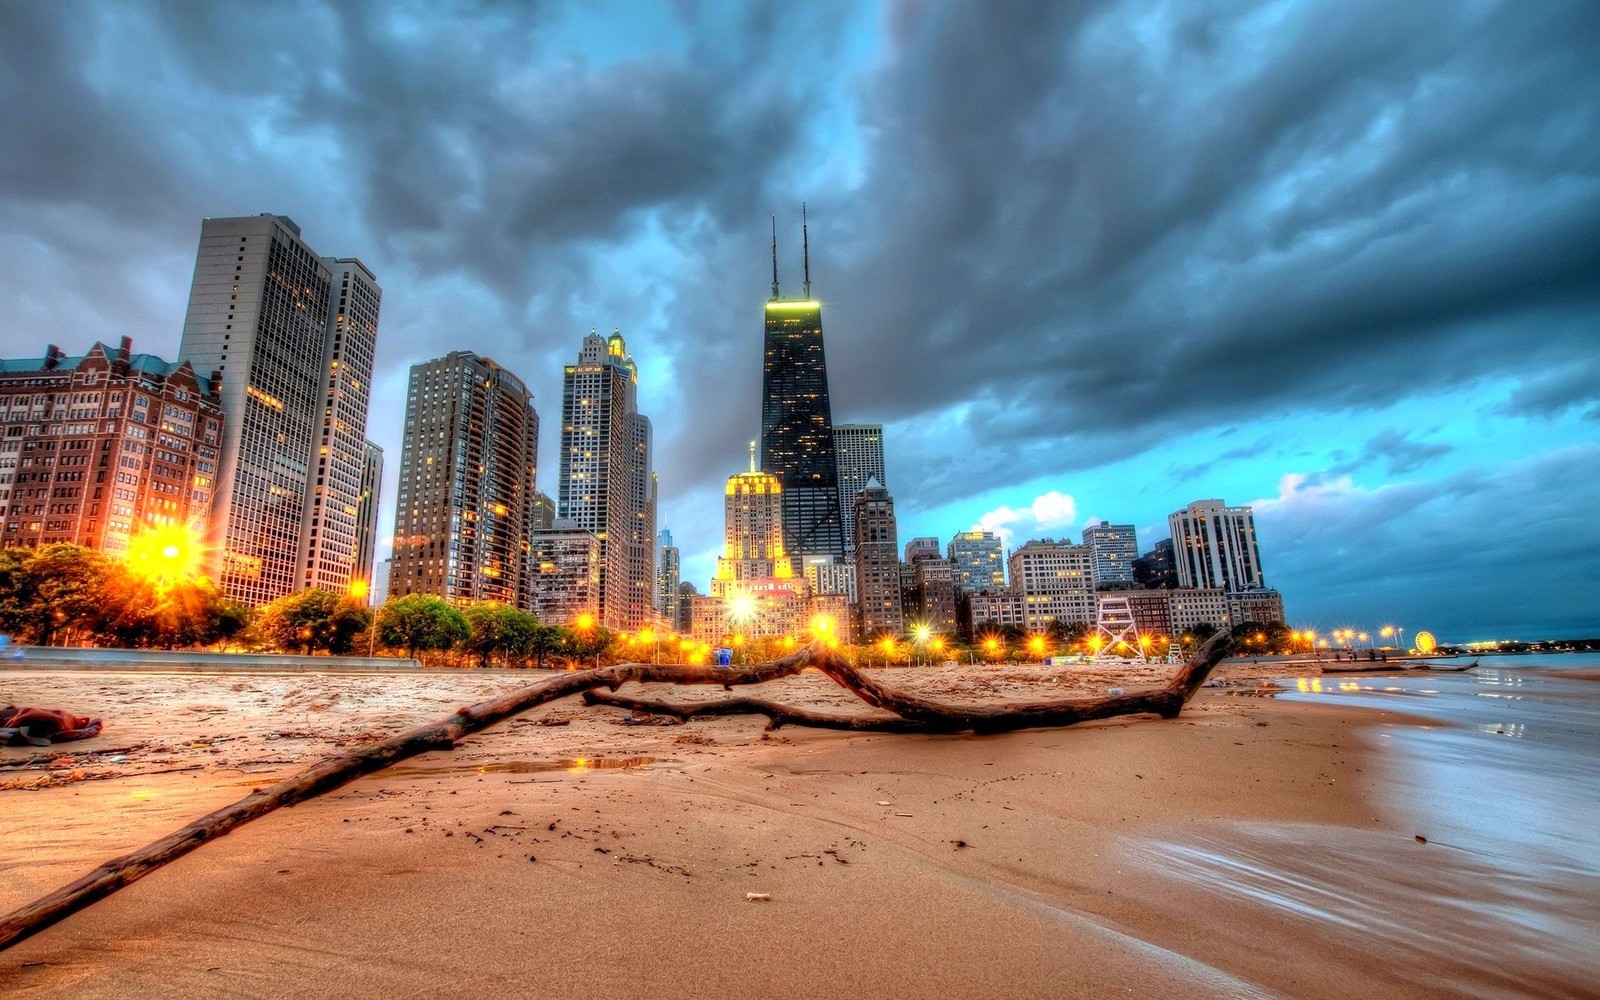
(165, 555)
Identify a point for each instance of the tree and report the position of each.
(313, 620)
(498, 629)
(62, 590)
(1198, 633)
(141, 612)
(420, 622)
(586, 644)
(547, 640)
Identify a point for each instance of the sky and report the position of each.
(1338, 260)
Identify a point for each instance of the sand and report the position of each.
(565, 854)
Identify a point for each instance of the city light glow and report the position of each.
(165, 555)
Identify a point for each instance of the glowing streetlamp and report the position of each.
(1036, 646)
(991, 646)
(920, 633)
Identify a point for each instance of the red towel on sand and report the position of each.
(41, 726)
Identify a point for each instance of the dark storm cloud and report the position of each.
(1113, 220)
(1479, 565)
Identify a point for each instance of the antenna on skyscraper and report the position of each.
(752, 456)
(774, 256)
(805, 248)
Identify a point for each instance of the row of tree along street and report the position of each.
(70, 595)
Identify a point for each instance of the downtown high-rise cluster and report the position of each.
(256, 439)
(811, 532)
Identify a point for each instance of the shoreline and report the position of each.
(1027, 864)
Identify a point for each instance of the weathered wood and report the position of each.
(925, 715)
(344, 768)
(777, 715)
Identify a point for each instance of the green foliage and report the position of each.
(420, 622)
(499, 630)
(53, 593)
(584, 645)
(312, 621)
(547, 640)
(139, 613)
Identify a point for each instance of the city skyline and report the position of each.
(1366, 312)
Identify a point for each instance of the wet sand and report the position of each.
(566, 854)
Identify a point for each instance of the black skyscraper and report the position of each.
(797, 422)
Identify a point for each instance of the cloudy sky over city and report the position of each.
(1083, 260)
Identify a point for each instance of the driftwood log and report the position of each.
(911, 714)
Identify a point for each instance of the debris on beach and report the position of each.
(758, 897)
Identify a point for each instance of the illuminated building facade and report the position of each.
(468, 471)
(564, 572)
(827, 576)
(753, 535)
(1259, 606)
(98, 448)
(985, 610)
(1215, 546)
(878, 609)
(1114, 547)
(329, 535)
(367, 514)
(977, 560)
(270, 317)
(1056, 581)
(1190, 606)
(605, 475)
(858, 452)
(797, 422)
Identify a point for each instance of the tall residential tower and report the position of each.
(290, 336)
(467, 482)
(858, 451)
(606, 482)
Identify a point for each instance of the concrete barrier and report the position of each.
(71, 658)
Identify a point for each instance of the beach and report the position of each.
(1254, 846)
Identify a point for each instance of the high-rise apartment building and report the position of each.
(667, 568)
(100, 448)
(1114, 547)
(564, 572)
(878, 609)
(829, 577)
(367, 514)
(468, 471)
(329, 543)
(1056, 580)
(977, 560)
(1157, 569)
(797, 422)
(605, 476)
(1215, 546)
(290, 335)
(858, 451)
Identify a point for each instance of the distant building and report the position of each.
(753, 545)
(934, 587)
(1152, 612)
(290, 335)
(828, 576)
(797, 422)
(667, 562)
(379, 594)
(99, 448)
(686, 593)
(1215, 546)
(877, 565)
(858, 450)
(992, 609)
(367, 515)
(1157, 569)
(544, 511)
(604, 486)
(467, 482)
(1056, 580)
(1259, 606)
(564, 561)
(977, 560)
(1114, 548)
(1191, 606)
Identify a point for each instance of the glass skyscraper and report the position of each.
(797, 428)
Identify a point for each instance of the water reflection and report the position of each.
(575, 765)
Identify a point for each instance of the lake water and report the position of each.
(1501, 897)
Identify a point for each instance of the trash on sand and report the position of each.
(758, 897)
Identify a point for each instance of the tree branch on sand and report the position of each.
(910, 713)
